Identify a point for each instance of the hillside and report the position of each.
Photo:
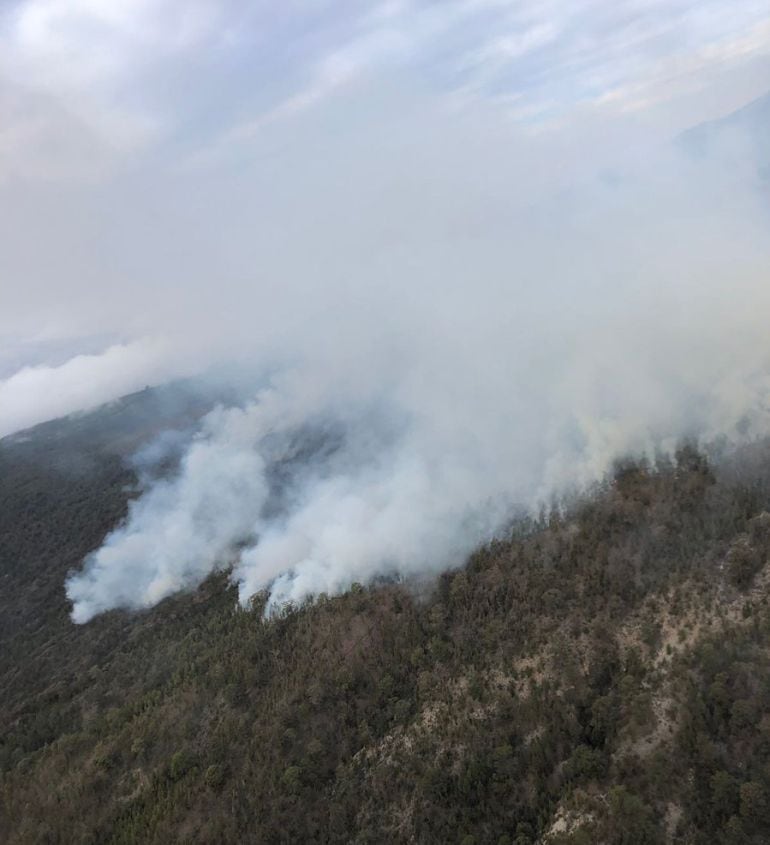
(599, 676)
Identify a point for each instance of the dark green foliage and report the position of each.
(743, 563)
(631, 821)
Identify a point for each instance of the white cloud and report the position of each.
(143, 76)
(674, 76)
(550, 59)
(79, 67)
(37, 393)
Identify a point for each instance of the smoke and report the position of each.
(177, 531)
(449, 257)
(44, 391)
(457, 353)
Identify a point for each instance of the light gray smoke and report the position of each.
(463, 376)
(462, 249)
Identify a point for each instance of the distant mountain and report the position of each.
(116, 428)
(749, 125)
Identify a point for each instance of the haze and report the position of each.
(471, 236)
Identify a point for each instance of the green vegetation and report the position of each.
(600, 676)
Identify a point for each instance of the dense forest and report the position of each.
(599, 675)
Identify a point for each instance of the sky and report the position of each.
(141, 140)
(466, 238)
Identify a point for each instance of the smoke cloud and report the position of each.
(42, 392)
(464, 377)
(453, 259)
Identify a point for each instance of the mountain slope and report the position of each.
(600, 676)
(749, 126)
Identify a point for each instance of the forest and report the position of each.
(599, 674)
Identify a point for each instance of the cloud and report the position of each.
(72, 74)
(670, 76)
(36, 393)
(104, 83)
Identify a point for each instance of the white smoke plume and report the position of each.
(462, 248)
(44, 391)
(466, 380)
